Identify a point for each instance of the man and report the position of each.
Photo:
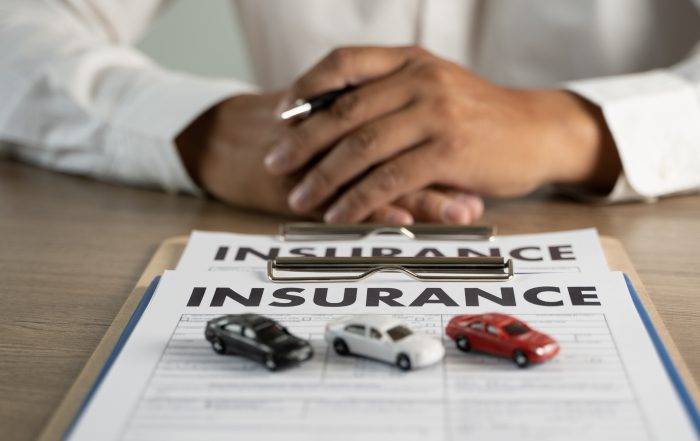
(452, 98)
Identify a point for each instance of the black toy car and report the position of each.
(258, 338)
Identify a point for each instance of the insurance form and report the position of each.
(565, 251)
(609, 382)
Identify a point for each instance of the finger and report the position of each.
(323, 129)
(471, 200)
(356, 153)
(439, 206)
(404, 174)
(391, 215)
(350, 66)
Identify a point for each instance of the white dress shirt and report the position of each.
(76, 96)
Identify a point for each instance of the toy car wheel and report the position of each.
(341, 348)
(403, 362)
(463, 344)
(218, 346)
(270, 363)
(520, 359)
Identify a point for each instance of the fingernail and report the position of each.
(456, 213)
(334, 214)
(279, 158)
(463, 197)
(474, 202)
(299, 197)
(477, 207)
(399, 218)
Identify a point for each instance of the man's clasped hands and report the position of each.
(418, 139)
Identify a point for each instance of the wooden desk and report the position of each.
(71, 250)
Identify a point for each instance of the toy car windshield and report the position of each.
(271, 333)
(516, 328)
(398, 332)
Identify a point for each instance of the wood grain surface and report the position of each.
(71, 251)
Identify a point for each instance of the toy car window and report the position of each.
(477, 325)
(516, 328)
(375, 334)
(355, 329)
(398, 332)
(492, 330)
(249, 333)
(271, 333)
(233, 327)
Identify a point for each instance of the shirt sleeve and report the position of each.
(654, 118)
(77, 97)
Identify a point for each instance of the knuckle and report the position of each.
(304, 84)
(433, 72)
(447, 108)
(338, 57)
(362, 141)
(358, 198)
(299, 141)
(322, 179)
(345, 107)
(388, 178)
(299, 135)
(450, 146)
(416, 50)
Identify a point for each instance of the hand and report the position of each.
(416, 120)
(223, 151)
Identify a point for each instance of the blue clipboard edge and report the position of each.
(669, 365)
(674, 375)
(118, 346)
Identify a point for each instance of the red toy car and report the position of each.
(502, 335)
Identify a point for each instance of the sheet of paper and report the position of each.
(607, 383)
(565, 251)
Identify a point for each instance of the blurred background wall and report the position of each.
(201, 37)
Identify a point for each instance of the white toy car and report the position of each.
(383, 338)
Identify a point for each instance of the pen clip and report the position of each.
(301, 108)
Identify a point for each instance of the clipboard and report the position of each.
(168, 254)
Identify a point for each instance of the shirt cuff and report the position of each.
(621, 192)
(654, 120)
(143, 129)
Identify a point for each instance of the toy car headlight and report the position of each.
(546, 349)
(300, 354)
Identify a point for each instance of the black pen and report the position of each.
(303, 108)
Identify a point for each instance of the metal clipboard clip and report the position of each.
(352, 269)
(309, 231)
